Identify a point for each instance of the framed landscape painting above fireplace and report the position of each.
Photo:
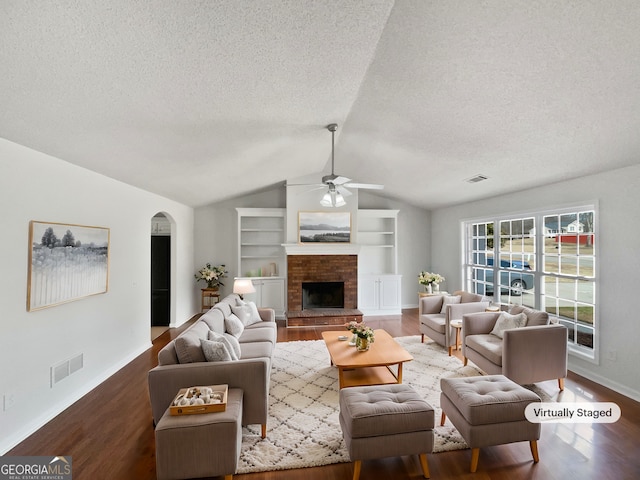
(324, 227)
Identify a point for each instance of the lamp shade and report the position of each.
(242, 286)
(332, 199)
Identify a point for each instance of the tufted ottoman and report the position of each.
(202, 445)
(385, 421)
(489, 410)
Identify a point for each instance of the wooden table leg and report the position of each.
(399, 377)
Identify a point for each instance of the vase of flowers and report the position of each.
(431, 281)
(212, 275)
(364, 335)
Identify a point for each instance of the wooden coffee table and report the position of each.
(372, 367)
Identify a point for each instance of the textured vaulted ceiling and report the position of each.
(201, 101)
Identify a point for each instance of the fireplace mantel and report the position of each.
(321, 248)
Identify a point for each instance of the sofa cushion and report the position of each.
(257, 335)
(435, 321)
(233, 325)
(468, 297)
(188, 348)
(506, 321)
(487, 345)
(256, 350)
(449, 300)
(215, 351)
(246, 312)
(229, 341)
(214, 318)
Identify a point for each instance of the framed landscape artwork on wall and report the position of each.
(324, 227)
(66, 262)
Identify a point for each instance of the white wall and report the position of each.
(109, 329)
(618, 196)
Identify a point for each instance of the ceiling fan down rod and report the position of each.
(332, 127)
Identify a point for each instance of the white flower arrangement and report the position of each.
(212, 275)
(427, 278)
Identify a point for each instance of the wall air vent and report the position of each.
(476, 178)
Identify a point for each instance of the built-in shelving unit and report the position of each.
(379, 285)
(261, 255)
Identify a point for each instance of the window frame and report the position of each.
(589, 354)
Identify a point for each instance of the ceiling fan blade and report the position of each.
(343, 191)
(340, 180)
(370, 186)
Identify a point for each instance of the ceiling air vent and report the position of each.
(476, 179)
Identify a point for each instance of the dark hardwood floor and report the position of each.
(109, 432)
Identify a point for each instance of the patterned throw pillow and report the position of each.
(246, 312)
(507, 321)
(215, 351)
(229, 341)
(233, 325)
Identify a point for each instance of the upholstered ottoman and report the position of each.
(385, 421)
(201, 445)
(489, 410)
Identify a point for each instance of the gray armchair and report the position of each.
(533, 353)
(435, 321)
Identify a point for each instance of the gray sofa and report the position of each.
(435, 319)
(186, 365)
(529, 354)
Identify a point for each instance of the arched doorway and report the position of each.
(160, 271)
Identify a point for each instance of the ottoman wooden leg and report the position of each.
(443, 418)
(475, 454)
(425, 465)
(356, 469)
(534, 450)
(228, 477)
(264, 430)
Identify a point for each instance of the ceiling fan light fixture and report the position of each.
(332, 199)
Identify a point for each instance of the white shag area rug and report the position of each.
(303, 428)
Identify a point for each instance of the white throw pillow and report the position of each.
(228, 341)
(507, 321)
(247, 313)
(449, 300)
(233, 325)
(215, 351)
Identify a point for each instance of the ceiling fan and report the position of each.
(337, 184)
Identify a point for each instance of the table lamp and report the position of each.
(242, 286)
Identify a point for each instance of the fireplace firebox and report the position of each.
(322, 295)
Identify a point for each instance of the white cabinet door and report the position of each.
(379, 294)
(368, 293)
(390, 293)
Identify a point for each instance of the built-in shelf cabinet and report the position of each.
(261, 256)
(379, 285)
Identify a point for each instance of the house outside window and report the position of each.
(546, 260)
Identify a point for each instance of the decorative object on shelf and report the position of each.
(66, 262)
(212, 275)
(242, 286)
(364, 335)
(431, 281)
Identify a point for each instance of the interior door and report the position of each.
(160, 280)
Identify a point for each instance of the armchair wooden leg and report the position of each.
(450, 350)
(422, 338)
(357, 465)
(561, 384)
(475, 455)
(264, 430)
(228, 477)
(465, 361)
(443, 418)
(425, 465)
(534, 450)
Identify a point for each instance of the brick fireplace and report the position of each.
(322, 268)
